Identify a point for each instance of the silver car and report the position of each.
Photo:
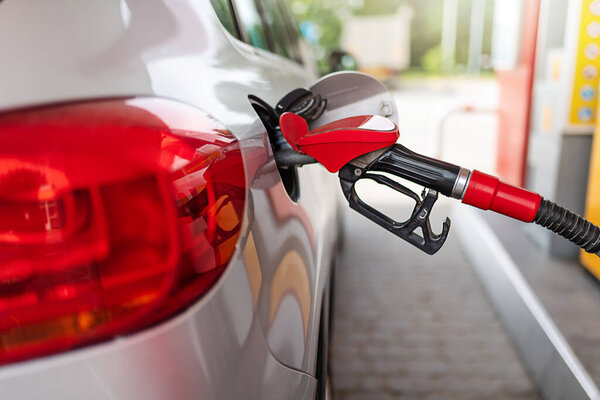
(150, 246)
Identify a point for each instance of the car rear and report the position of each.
(124, 206)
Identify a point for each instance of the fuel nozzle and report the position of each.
(364, 147)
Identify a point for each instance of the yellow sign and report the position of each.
(592, 208)
(584, 96)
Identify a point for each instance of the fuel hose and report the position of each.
(569, 225)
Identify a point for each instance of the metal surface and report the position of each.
(350, 94)
(554, 367)
(461, 183)
(363, 161)
(255, 334)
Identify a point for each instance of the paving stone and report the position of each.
(372, 351)
(350, 367)
(426, 369)
(345, 382)
(368, 396)
(438, 396)
(517, 387)
(372, 383)
(409, 386)
(386, 367)
(412, 326)
(420, 326)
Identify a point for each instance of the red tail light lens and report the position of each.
(113, 215)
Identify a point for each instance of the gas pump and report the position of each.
(592, 211)
(586, 82)
(564, 99)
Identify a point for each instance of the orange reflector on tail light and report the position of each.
(113, 215)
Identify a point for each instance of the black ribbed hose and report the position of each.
(569, 225)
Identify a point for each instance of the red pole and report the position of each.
(515, 102)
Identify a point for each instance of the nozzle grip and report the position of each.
(425, 171)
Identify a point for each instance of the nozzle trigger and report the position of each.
(426, 239)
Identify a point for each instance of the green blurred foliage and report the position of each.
(378, 7)
(488, 27)
(432, 59)
(326, 16)
(426, 27)
(426, 32)
(462, 32)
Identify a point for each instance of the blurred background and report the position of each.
(507, 87)
(435, 54)
(406, 37)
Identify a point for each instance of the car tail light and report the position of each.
(113, 215)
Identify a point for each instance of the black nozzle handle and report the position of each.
(425, 171)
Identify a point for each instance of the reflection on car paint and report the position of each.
(252, 267)
(291, 279)
(285, 209)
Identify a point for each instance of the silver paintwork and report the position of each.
(351, 93)
(215, 350)
(254, 335)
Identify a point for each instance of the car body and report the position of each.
(254, 333)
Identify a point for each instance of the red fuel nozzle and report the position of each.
(336, 144)
(358, 147)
